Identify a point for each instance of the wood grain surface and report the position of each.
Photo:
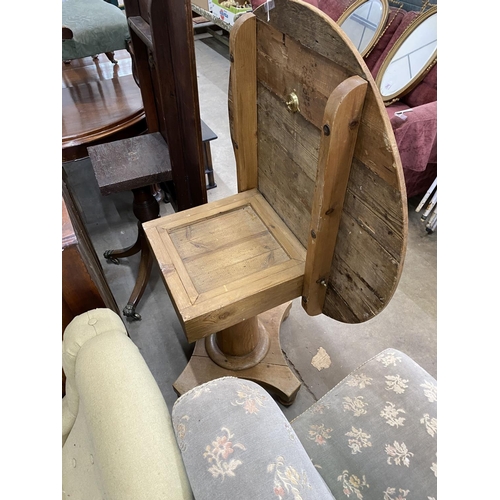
(301, 50)
(226, 262)
(131, 163)
(100, 101)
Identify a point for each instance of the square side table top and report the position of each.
(131, 163)
(226, 261)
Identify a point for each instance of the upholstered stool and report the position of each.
(92, 27)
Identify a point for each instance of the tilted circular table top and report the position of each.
(313, 58)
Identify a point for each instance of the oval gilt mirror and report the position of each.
(411, 57)
(363, 22)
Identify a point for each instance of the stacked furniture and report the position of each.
(320, 214)
(415, 131)
(174, 151)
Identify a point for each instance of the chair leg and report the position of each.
(209, 169)
(111, 57)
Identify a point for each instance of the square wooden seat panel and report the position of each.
(226, 261)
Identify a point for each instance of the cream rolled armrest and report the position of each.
(82, 328)
(121, 445)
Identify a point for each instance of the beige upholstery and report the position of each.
(118, 441)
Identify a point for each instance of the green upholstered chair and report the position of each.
(92, 27)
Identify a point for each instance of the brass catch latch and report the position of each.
(292, 102)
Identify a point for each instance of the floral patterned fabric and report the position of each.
(374, 435)
(236, 443)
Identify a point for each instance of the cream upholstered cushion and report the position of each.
(83, 328)
(121, 444)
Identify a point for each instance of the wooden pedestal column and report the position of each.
(240, 346)
(250, 350)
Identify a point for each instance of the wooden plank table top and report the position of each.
(302, 52)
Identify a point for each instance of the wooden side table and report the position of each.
(133, 164)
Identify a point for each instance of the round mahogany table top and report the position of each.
(101, 102)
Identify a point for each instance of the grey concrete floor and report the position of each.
(408, 323)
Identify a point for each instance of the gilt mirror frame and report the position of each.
(418, 77)
(378, 31)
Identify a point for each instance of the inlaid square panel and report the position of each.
(227, 248)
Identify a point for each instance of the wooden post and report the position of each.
(163, 48)
(240, 346)
(272, 372)
(240, 339)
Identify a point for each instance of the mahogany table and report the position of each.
(133, 164)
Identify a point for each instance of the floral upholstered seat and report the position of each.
(371, 436)
(236, 443)
(374, 434)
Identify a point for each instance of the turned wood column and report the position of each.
(145, 206)
(240, 346)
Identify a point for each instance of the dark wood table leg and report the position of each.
(111, 57)
(145, 267)
(145, 207)
(114, 255)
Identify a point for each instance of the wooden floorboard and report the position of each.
(100, 102)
